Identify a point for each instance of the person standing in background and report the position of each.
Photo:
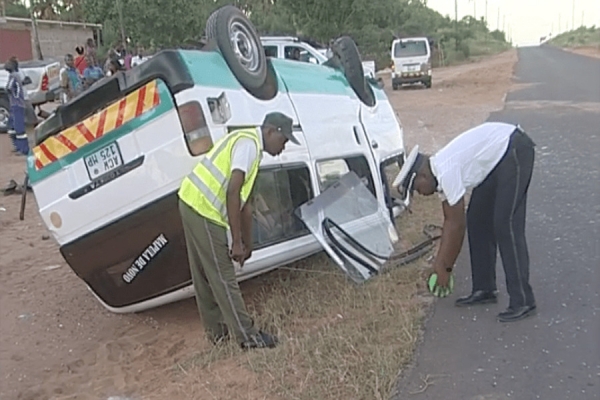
(114, 66)
(127, 60)
(70, 81)
(139, 58)
(91, 56)
(16, 98)
(80, 62)
(30, 117)
(92, 74)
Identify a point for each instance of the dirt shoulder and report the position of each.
(59, 343)
(590, 51)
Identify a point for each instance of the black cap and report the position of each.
(283, 124)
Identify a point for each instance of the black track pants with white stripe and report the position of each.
(496, 220)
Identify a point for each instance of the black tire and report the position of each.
(427, 84)
(395, 86)
(271, 86)
(209, 30)
(5, 110)
(251, 72)
(346, 51)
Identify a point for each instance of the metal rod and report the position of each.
(24, 198)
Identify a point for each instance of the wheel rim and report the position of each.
(3, 118)
(245, 48)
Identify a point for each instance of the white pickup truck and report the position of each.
(284, 47)
(43, 88)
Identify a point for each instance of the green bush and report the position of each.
(582, 36)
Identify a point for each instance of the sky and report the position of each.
(526, 20)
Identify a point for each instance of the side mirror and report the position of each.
(312, 60)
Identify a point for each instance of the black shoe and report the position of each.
(476, 298)
(260, 341)
(516, 314)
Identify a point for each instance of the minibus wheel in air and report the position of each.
(347, 53)
(240, 46)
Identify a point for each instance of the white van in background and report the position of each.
(411, 61)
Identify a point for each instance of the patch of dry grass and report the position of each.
(339, 340)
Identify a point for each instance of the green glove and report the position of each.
(438, 291)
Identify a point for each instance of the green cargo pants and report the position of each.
(218, 294)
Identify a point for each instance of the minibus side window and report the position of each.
(330, 171)
(276, 195)
(389, 170)
(271, 51)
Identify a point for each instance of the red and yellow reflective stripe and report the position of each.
(119, 113)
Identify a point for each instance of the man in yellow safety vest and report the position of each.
(214, 199)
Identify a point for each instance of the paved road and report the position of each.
(466, 354)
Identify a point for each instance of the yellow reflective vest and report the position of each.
(205, 188)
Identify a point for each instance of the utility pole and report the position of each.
(2, 8)
(504, 23)
(456, 23)
(120, 9)
(36, 37)
(573, 16)
(582, 13)
(456, 11)
(498, 20)
(486, 14)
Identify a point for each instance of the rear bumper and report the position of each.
(39, 98)
(139, 257)
(399, 79)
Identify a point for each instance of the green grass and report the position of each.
(339, 340)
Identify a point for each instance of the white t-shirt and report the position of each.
(243, 154)
(137, 60)
(468, 159)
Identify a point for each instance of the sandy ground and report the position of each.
(59, 343)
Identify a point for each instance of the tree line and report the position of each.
(373, 24)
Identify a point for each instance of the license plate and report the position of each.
(103, 161)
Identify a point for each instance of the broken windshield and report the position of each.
(349, 223)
